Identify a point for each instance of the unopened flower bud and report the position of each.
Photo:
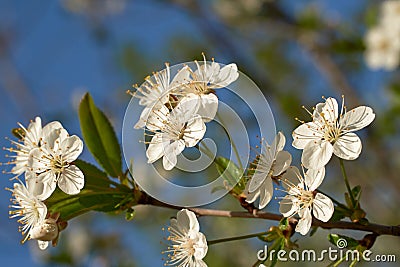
(46, 231)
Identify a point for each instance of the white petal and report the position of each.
(48, 183)
(156, 117)
(326, 112)
(313, 178)
(279, 142)
(251, 196)
(322, 207)
(43, 244)
(206, 72)
(305, 133)
(200, 263)
(257, 179)
(304, 224)
(71, 148)
(36, 186)
(187, 220)
(169, 162)
(227, 75)
(50, 127)
(181, 77)
(71, 181)
(282, 162)
(316, 154)
(141, 123)
(186, 108)
(292, 178)
(54, 138)
(348, 146)
(38, 160)
(156, 148)
(200, 247)
(194, 132)
(21, 163)
(171, 151)
(357, 118)
(34, 132)
(266, 192)
(208, 107)
(287, 206)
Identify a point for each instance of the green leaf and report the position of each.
(356, 192)
(278, 245)
(283, 224)
(348, 200)
(94, 178)
(67, 205)
(231, 173)
(342, 241)
(100, 137)
(102, 202)
(70, 206)
(338, 214)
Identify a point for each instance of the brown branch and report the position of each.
(377, 229)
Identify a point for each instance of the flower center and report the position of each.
(331, 131)
(182, 132)
(57, 164)
(306, 197)
(383, 45)
(332, 134)
(200, 87)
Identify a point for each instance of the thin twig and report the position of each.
(374, 228)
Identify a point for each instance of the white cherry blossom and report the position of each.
(272, 161)
(202, 82)
(29, 208)
(188, 245)
(52, 163)
(390, 15)
(177, 129)
(30, 138)
(302, 199)
(382, 48)
(331, 132)
(155, 91)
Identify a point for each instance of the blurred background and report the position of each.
(52, 52)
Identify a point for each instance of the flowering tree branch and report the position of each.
(378, 229)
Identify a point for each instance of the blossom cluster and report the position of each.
(177, 108)
(383, 40)
(329, 133)
(44, 156)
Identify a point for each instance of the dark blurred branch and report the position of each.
(13, 83)
(218, 35)
(287, 27)
(277, 21)
(330, 69)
